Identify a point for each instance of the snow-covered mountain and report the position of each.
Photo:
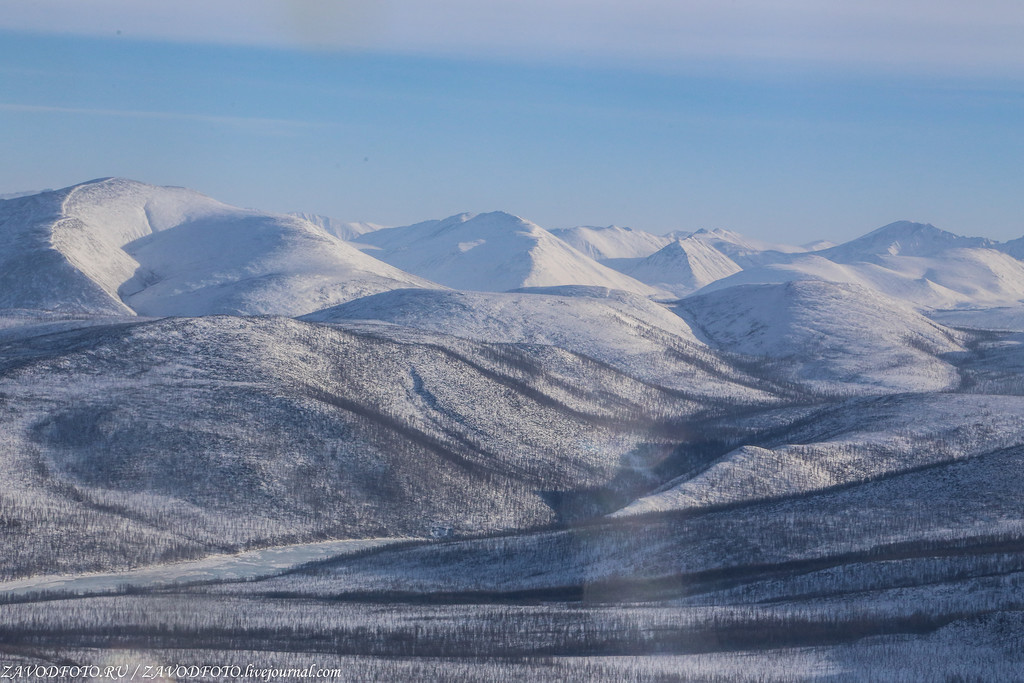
(1014, 248)
(612, 242)
(135, 437)
(343, 230)
(790, 464)
(743, 250)
(829, 336)
(683, 266)
(119, 246)
(912, 262)
(902, 238)
(492, 252)
(628, 332)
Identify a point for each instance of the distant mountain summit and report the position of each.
(1014, 248)
(492, 252)
(683, 266)
(116, 246)
(913, 262)
(903, 238)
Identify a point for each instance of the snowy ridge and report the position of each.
(745, 251)
(957, 277)
(343, 230)
(130, 247)
(492, 252)
(1014, 248)
(612, 242)
(36, 275)
(626, 331)
(914, 262)
(887, 437)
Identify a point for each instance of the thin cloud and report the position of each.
(237, 121)
(895, 35)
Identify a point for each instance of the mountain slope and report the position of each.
(116, 245)
(140, 440)
(744, 251)
(343, 230)
(36, 275)
(858, 441)
(834, 337)
(492, 252)
(626, 331)
(902, 238)
(683, 266)
(956, 277)
(612, 242)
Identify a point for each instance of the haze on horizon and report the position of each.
(781, 120)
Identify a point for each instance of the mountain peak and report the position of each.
(683, 266)
(903, 238)
(493, 251)
(907, 228)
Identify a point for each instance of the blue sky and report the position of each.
(780, 120)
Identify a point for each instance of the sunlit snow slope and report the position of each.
(914, 262)
(612, 242)
(628, 332)
(831, 336)
(683, 266)
(493, 252)
(116, 245)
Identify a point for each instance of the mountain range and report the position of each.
(570, 454)
(120, 246)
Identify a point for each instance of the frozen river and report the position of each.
(247, 565)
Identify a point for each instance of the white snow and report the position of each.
(831, 335)
(612, 242)
(172, 251)
(957, 277)
(493, 252)
(683, 266)
(343, 230)
(1001, 318)
(745, 251)
(902, 238)
(629, 332)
